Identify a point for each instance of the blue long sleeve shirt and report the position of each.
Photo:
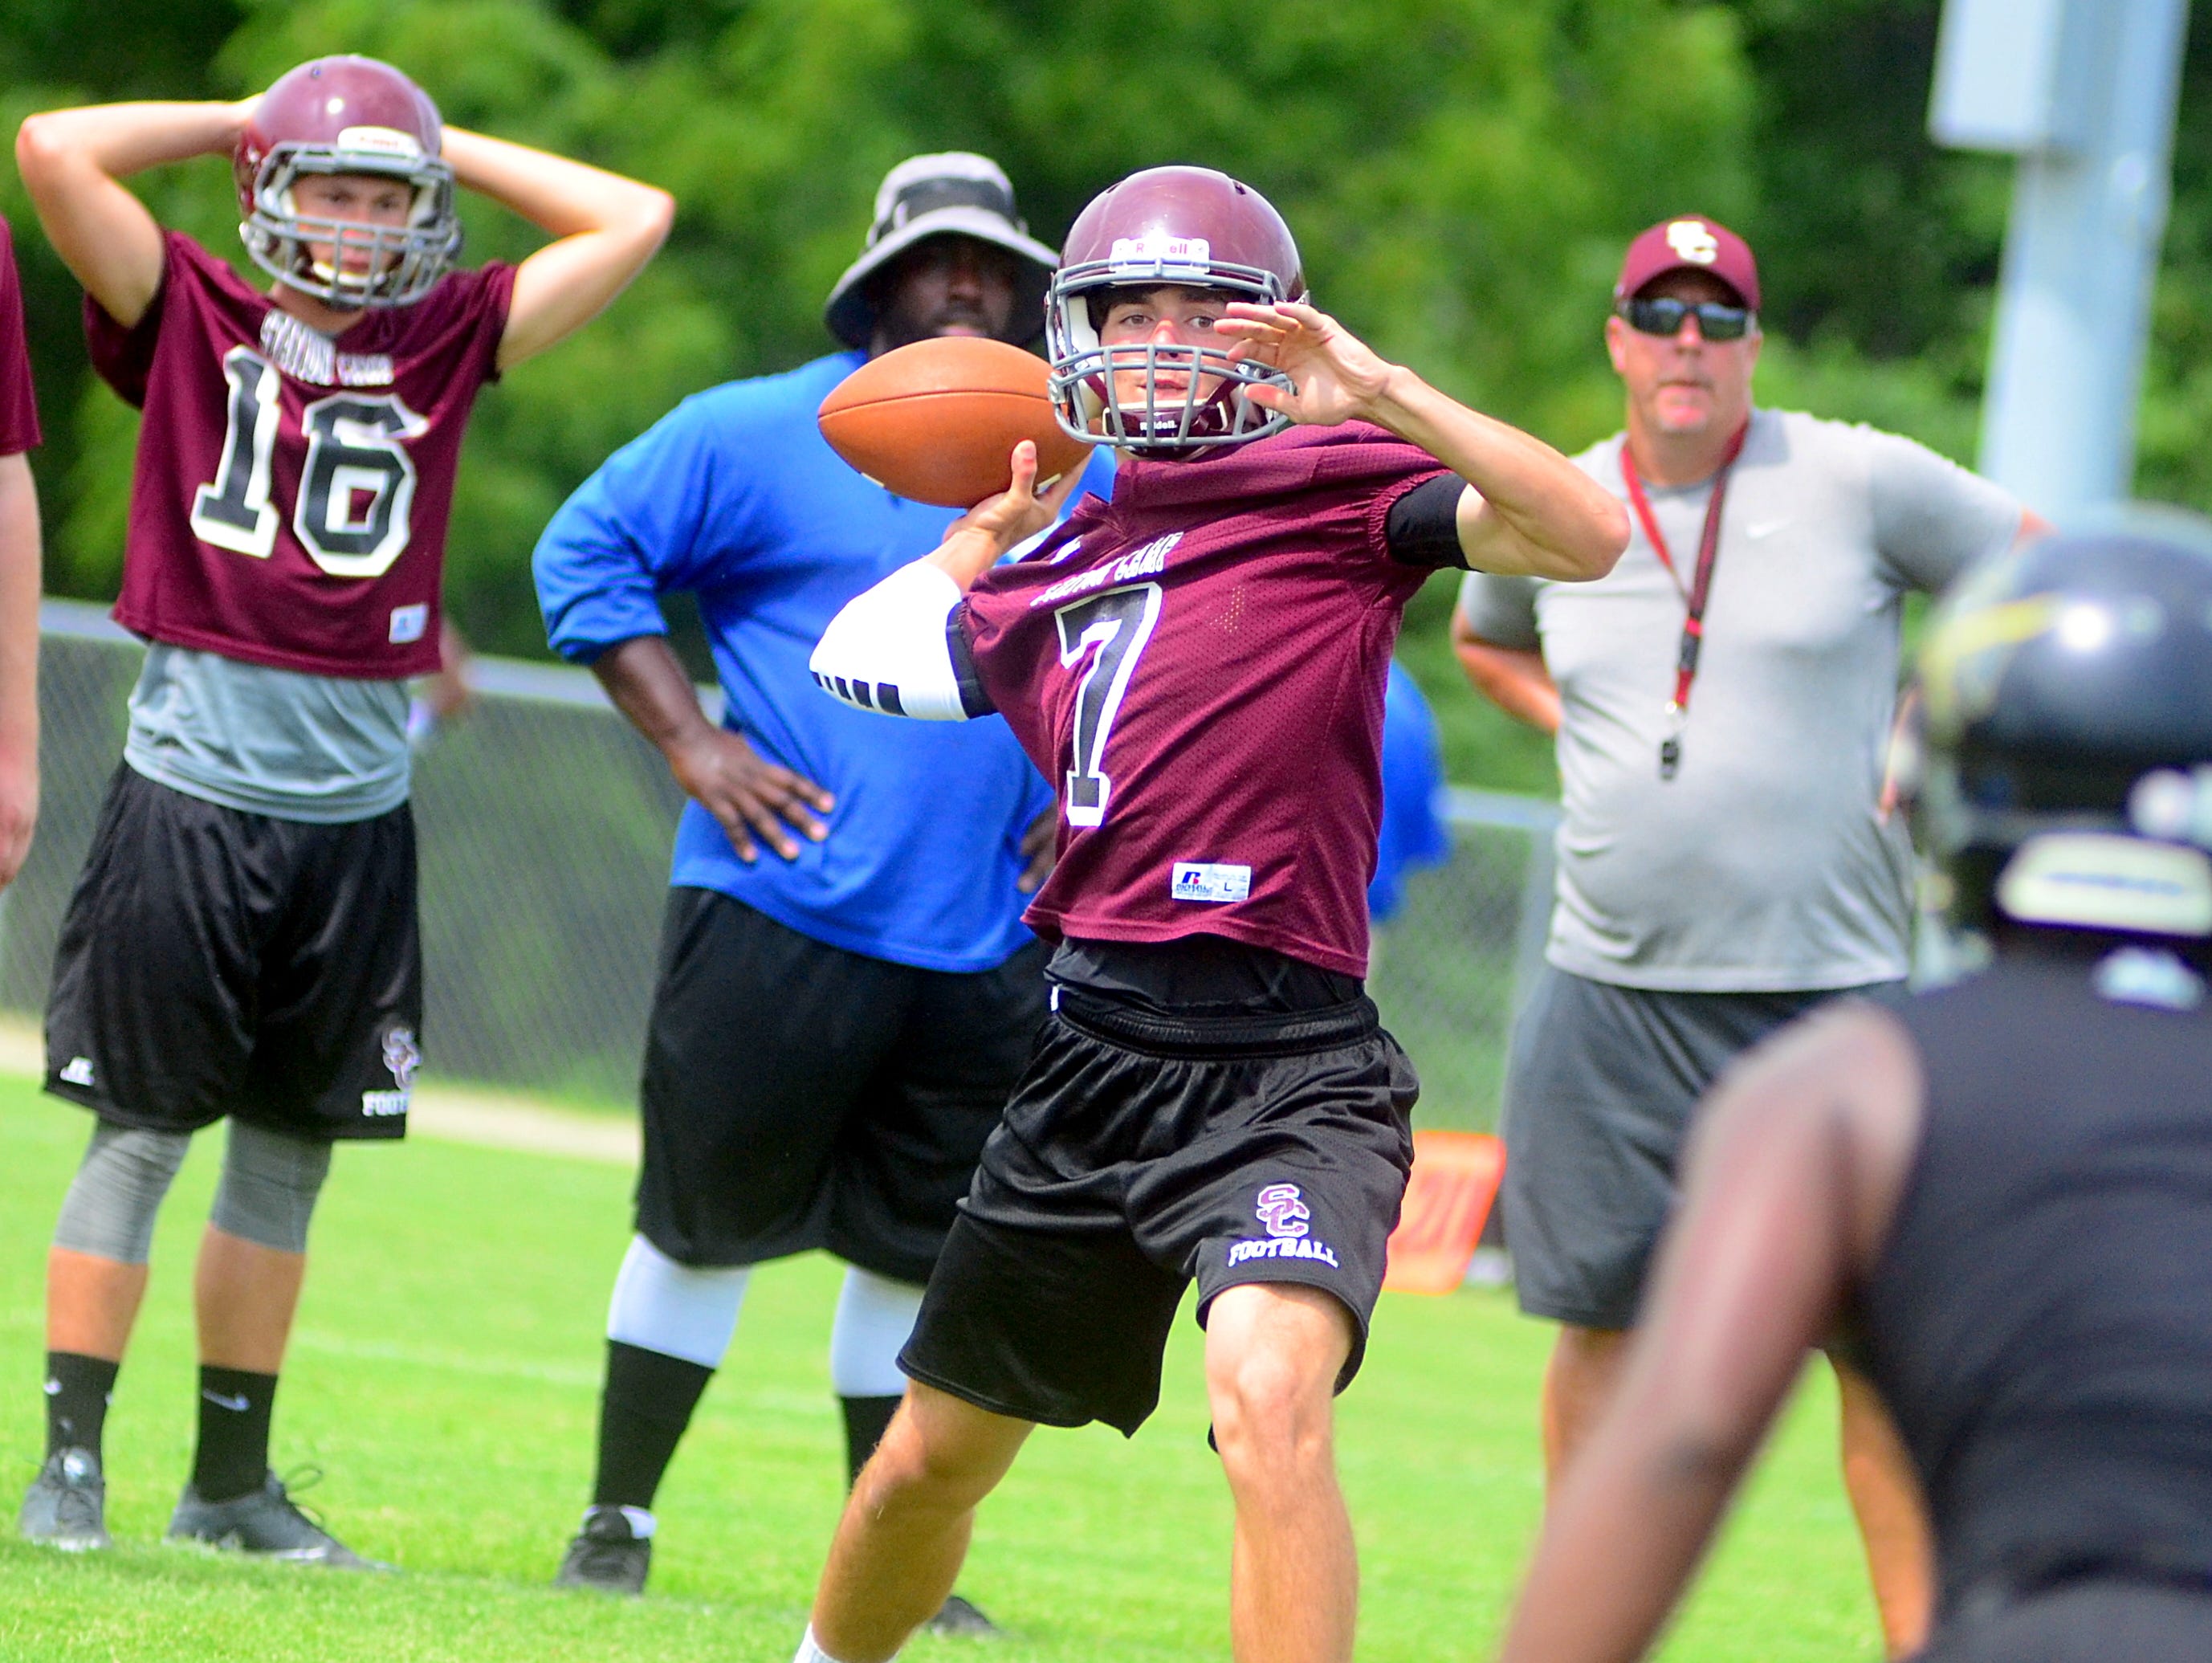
(735, 496)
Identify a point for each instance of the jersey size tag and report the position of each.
(1208, 880)
(408, 623)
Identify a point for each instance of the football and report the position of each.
(936, 422)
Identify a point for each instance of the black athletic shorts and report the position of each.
(214, 962)
(796, 1095)
(1140, 1152)
(2100, 1620)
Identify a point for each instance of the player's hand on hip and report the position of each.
(754, 801)
(1040, 847)
(1337, 375)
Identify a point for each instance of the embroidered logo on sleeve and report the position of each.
(1209, 880)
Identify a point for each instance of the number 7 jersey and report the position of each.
(289, 503)
(1198, 668)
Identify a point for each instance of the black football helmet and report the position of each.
(2067, 740)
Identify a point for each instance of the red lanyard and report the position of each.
(1693, 626)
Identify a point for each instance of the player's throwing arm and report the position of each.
(1525, 510)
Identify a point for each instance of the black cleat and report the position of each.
(66, 1506)
(265, 1523)
(607, 1553)
(959, 1617)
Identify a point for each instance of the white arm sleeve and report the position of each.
(887, 650)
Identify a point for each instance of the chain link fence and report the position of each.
(545, 824)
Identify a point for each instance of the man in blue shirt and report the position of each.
(846, 992)
(1412, 835)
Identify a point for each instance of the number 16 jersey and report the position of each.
(1198, 668)
(292, 489)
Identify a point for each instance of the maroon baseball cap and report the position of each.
(1689, 242)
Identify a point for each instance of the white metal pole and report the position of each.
(2080, 256)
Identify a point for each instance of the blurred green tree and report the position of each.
(1461, 173)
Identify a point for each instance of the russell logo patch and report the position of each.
(1209, 880)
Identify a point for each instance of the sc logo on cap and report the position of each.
(1693, 241)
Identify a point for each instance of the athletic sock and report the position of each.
(647, 1402)
(867, 1419)
(810, 1650)
(78, 1391)
(233, 1457)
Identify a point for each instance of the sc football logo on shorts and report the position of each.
(402, 1057)
(1286, 1217)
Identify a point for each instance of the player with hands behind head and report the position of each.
(242, 942)
(1996, 1195)
(1200, 667)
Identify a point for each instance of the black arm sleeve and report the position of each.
(973, 699)
(1422, 527)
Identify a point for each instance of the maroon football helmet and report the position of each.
(1187, 227)
(346, 115)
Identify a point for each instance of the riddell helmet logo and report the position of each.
(1693, 241)
(1281, 1210)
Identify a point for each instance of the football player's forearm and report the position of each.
(887, 648)
(122, 139)
(1531, 511)
(606, 227)
(557, 195)
(1617, 1549)
(19, 614)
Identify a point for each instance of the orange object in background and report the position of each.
(1456, 1179)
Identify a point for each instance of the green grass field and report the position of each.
(444, 1375)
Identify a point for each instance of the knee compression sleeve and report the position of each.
(874, 1316)
(678, 1310)
(112, 1202)
(270, 1182)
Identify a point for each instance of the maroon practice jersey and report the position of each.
(19, 411)
(292, 489)
(1200, 665)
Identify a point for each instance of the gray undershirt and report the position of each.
(323, 749)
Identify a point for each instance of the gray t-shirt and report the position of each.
(1765, 864)
(325, 749)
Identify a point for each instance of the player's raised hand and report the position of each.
(1337, 375)
(980, 538)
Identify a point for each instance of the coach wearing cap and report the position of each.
(846, 992)
(1722, 704)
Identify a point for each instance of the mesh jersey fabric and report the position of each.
(2038, 1321)
(1200, 667)
(290, 502)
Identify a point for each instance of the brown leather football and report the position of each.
(936, 422)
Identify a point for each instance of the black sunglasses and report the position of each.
(1664, 317)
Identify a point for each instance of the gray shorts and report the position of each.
(1599, 1088)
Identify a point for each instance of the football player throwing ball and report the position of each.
(1199, 667)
